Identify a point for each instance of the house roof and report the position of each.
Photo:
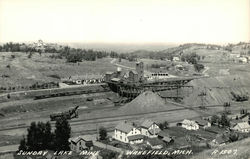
(109, 73)
(242, 116)
(147, 123)
(163, 134)
(82, 137)
(154, 141)
(87, 137)
(235, 122)
(133, 71)
(179, 65)
(135, 137)
(76, 139)
(124, 127)
(243, 125)
(221, 139)
(115, 79)
(166, 139)
(201, 122)
(189, 122)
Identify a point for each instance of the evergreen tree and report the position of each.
(23, 145)
(224, 121)
(32, 137)
(62, 135)
(41, 142)
(103, 133)
(48, 136)
(214, 119)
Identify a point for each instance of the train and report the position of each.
(71, 113)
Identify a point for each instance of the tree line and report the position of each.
(41, 137)
(70, 54)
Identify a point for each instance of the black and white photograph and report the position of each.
(124, 79)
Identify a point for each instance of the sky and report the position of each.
(125, 21)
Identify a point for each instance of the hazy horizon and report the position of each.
(125, 21)
(122, 47)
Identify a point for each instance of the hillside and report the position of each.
(23, 71)
(240, 150)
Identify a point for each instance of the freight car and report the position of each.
(72, 113)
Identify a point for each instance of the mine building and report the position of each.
(140, 70)
(133, 76)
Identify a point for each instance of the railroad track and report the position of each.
(110, 119)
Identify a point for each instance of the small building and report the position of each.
(245, 117)
(155, 143)
(219, 141)
(243, 127)
(136, 139)
(165, 137)
(175, 58)
(108, 76)
(115, 79)
(189, 124)
(124, 129)
(242, 60)
(179, 67)
(80, 143)
(149, 128)
(203, 123)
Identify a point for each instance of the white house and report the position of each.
(149, 128)
(242, 127)
(203, 123)
(176, 58)
(189, 124)
(127, 133)
(242, 60)
(179, 67)
(80, 143)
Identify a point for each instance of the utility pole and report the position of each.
(202, 95)
(97, 132)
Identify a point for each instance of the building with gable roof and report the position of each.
(189, 124)
(80, 143)
(149, 128)
(242, 127)
(124, 132)
(203, 123)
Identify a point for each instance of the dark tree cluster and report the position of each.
(78, 55)
(198, 67)
(158, 65)
(163, 125)
(190, 58)
(70, 54)
(240, 97)
(103, 133)
(223, 120)
(40, 137)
